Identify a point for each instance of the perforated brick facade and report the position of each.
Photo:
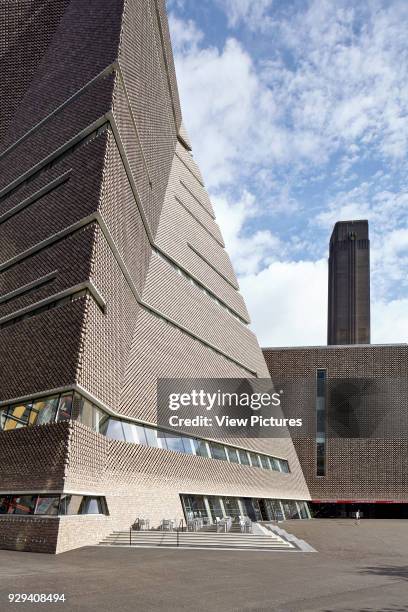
(373, 468)
(99, 191)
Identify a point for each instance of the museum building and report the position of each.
(113, 274)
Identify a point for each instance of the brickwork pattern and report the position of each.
(91, 168)
(29, 28)
(364, 469)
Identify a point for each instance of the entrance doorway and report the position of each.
(263, 510)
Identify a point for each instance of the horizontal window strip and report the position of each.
(70, 405)
(51, 504)
(28, 288)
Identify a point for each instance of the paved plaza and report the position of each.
(357, 568)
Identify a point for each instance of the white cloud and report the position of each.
(334, 86)
(249, 251)
(389, 322)
(232, 113)
(252, 13)
(344, 85)
(287, 302)
(185, 35)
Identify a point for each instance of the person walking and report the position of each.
(358, 516)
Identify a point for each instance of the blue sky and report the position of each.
(298, 115)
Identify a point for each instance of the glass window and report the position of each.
(243, 455)
(114, 429)
(201, 448)
(232, 454)
(90, 505)
(284, 465)
(100, 420)
(231, 506)
(46, 410)
(175, 443)
(215, 507)
(218, 451)
(257, 508)
(275, 465)
(264, 462)
(18, 416)
(254, 459)
(86, 414)
(48, 505)
(194, 506)
(134, 433)
(65, 407)
(290, 509)
(141, 434)
(79, 504)
(321, 376)
(23, 504)
(151, 437)
(274, 509)
(5, 504)
(188, 446)
(304, 513)
(70, 504)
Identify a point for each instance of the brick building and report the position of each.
(113, 273)
(353, 452)
(352, 396)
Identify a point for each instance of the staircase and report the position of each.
(198, 540)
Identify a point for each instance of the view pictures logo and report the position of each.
(210, 400)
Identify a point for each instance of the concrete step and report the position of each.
(200, 537)
(252, 541)
(243, 541)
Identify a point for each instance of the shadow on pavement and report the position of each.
(387, 609)
(395, 571)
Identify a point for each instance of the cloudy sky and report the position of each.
(298, 116)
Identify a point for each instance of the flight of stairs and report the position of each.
(198, 539)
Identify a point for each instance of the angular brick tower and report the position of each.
(113, 273)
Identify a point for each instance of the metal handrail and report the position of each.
(130, 536)
(180, 525)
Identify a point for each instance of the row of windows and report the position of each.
(52, 505)
(211, 507)
(51, 409)
(117, 429)
(56, 408)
